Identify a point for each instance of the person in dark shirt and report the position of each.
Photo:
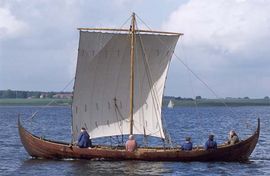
(187, 145)
(210, 143)
(84, 140)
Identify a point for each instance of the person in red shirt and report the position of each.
(131, 144)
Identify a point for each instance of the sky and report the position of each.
(226, 43)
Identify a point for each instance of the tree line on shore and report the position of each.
(41, 94)
(201, 98)
(28, 94)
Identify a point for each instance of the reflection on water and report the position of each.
(85, 167)
(54, 123)
(116, 168)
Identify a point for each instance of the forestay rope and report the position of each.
(195, 75)
(52, 101)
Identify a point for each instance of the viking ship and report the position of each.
(118, 90)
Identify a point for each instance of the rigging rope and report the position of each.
(195, 75)
(141, 113)
(191, 71)
(117, 111)
(167, 135)
(153, 91)
(48, 104)
(192, 90)
(203, 82)
(150, 81)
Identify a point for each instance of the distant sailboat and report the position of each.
(119, 85)
(170, 104)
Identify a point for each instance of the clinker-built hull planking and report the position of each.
(43, 148)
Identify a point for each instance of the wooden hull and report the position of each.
(42, 148)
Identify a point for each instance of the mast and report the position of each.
(131, 95)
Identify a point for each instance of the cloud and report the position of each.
(38, 37)
(41, 37)
(9, 25)
(226, 25)
(226, 39)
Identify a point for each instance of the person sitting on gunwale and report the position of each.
(187, 145)
(131, 144)
(210, 143)
(233, 138)
(84, 140)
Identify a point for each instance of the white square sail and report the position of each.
(101, 92)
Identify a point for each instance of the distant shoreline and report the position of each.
(34, 102)
(219, 102)
(177, 103)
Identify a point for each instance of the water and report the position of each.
(54, 123)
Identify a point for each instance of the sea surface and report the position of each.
(54, 123)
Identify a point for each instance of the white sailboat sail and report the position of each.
(101, 90)
(170, 104)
